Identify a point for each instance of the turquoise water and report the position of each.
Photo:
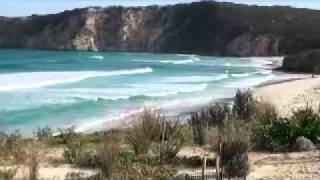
(87, 89)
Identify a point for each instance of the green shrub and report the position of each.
(306, 122)
(280, 134)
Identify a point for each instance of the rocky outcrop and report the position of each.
(209, 28)
(248, 45)
(308, 61)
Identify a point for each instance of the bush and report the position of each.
(108, 154)
(280, 134)
(43, 133)
(199, 126)
(245, 105)
(8, 173)
(146, 128)
(218, 113)
(11, 147)
(88, 159)
(74, 148)
(73, 151)
(176, 136)
(236, 146)
(211, 116)
(306, 122)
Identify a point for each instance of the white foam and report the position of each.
(195, 79)
(191, 59)
(100, 123)
(227, 64)
(265, 72)
(18, 81)
(178, 61)
(251, 82)
(263, 61)
(97, 57)
(240, 75)
(161, 90)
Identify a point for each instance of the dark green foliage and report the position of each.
(306, 123)
(307, 61)
(245, 105)
(281, 133)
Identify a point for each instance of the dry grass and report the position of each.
(236, 146)
(32, 160)
(108, 154)
(146, 128)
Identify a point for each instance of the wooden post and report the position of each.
(162, 140)
(204, 166)
(218, 160)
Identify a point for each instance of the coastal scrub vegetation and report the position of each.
(148, 147)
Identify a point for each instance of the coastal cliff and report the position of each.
(305, 62)
(210, 28)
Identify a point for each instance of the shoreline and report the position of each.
(291, 94)
(271, 63)
(182, 114)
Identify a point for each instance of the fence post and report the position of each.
(204, 166)
(219, 159)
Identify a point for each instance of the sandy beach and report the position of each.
(291, 94)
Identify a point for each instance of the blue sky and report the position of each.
(28, 7)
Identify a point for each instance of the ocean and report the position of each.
(90, 89)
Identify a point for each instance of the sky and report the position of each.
(28, 7)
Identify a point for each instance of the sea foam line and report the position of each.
(97, 57)
(18, 81)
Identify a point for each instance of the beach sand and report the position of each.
(291, 94)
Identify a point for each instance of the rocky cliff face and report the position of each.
(200, 28)
(308, 61)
